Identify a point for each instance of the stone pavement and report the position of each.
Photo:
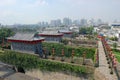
(103, 66)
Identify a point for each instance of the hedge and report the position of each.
(68, 50)
(28, 61)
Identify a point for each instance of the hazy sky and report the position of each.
(33, 11)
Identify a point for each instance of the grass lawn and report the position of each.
(117, 54)
(1, 51)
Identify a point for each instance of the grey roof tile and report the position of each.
(25, 36)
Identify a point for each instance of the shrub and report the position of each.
(28, 61)
(68, 50)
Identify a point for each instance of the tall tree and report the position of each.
(5, 32)
(86, 30)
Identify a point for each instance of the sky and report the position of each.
(34, 11)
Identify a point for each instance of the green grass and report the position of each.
(117, 54)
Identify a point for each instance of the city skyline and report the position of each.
(34, 11)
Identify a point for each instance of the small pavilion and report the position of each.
(51, 36)
(26, 42)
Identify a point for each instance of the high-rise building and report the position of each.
(76, 22)
(58, 22)
(52, 23)
(99, 22)
(91, 22)
(67, 21)
(43, 24)
(55, 23)
(83, 22)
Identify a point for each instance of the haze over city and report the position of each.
(34, 11)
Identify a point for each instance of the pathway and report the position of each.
(103, 66)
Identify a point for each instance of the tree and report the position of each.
(86, 30)
(64, 41)
(114, 38)
(4, 33)
(75, 34)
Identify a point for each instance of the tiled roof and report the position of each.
(25, 36)
(50, 33)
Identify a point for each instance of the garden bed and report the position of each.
(117, 54)
(78, 51)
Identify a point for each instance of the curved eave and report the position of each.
(26, 41)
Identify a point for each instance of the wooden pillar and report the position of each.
(53, 54)
(45, 53)
(62, 59)
(72, 61)
(84, 56)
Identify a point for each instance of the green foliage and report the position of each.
(75, 34)
(68, 50)
(117, 54)
(28, 61)
(114, 45)
(65, 41)
(5, 32)
(114, 38)
(86, 30)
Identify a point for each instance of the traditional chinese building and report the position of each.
(51, 36)
(66, 33)
(26, 42)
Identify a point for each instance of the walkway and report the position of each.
(103, 66)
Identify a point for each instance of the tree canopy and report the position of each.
(86, 30)
(5, 32)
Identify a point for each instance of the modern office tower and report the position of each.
(76, 22)
(83, 22)
(55, 23)
(67, 21)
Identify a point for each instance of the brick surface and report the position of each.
(103, 68)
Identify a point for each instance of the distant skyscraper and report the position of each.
(83, 22)
(76, 22)
(99, 21)
(58, 22)
(91, 22)
(67, 21)
(43, 24)
(55, 23)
